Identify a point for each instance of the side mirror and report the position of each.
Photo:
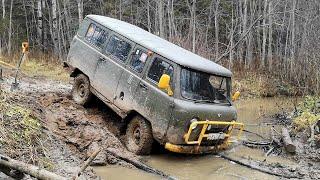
(164, 83)
(236, 96)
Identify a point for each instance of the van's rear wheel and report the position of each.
(139, 137)
(81, 93)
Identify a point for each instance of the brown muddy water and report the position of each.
(251, 112)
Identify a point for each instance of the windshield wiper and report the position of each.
(204, 100)
(225, 97)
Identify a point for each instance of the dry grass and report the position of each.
(39, 67)
(252, 84)
(21, 133)
(51, 70)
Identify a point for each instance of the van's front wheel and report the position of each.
(81, 93)
(139, 137)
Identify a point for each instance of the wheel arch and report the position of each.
(76, 72)
(133, 113)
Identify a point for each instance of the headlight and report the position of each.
(191, 121)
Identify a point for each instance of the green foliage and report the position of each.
(308, 114)
(30, 126)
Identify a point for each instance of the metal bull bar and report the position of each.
(222, 135)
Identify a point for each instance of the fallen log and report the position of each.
(32, 170)
(87, 163)
(287, 141)
(139, 165)
(272, 171)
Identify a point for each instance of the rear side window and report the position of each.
(96, 35)
(118, 48)
(138, 61)
(158, 68)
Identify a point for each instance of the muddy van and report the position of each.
(164, 92)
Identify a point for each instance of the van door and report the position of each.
(130, 79)
(156, 104)
(86, 47)
(111, 65)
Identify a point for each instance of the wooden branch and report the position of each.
(275, 140)
(241, 38)
(87, 163)
(269, 151)
(139, 164)
(32, 170)
(272, 171)
(288, 144)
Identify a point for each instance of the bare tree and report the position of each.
(80, 10)
(264, 38)
(270, 36)
(280, 35)
(3, 9)
(161, 17)
(10, 29)
(216, 25)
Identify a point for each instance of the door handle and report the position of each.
(102, 59)
(142, 85)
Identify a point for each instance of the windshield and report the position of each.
(200, 86)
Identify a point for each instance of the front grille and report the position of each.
(196, 133)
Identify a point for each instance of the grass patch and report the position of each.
(51, 70)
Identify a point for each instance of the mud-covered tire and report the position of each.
(81, 93)
(139, 137)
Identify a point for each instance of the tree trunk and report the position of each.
(80, 10)
(270, 37)
(39, 24)
(120, 10)
(148, 14)
(231, 40)
(264, 38)
(161, 17)
(32, 170)
(67, 20)
(10, 29)
(294, 3)
(3, 9)
(288, 144)
(194, 26)
(245, 21)
(209, 24)
(54, 30)
(216, 24)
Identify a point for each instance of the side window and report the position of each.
(158, 68)
(118, 48)
(138, 61)
(96, 35)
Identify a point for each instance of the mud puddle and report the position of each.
(251, 112)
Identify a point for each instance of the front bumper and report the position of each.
(194, 146)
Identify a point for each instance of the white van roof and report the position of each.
(161, 46)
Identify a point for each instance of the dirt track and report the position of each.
(75, 132)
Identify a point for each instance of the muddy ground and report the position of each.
(72, 132)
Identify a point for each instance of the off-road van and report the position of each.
(163, 92)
